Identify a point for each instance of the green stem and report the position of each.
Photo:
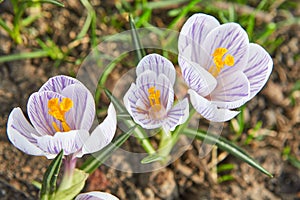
(165, 145)
(69, 166)
(20, 56)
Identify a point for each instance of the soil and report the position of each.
(277, 106)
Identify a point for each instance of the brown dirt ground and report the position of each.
(187, 178)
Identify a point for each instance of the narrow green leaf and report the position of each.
(78, 182)
(136, 40)
(152, 158)
(93, 162)
(228, 146)
(139, 131)
(57, 3)
(163, 4)
(50, 178)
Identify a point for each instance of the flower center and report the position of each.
(156, 111)
(220, 61)
(57, 110)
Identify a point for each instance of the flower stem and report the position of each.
(69, 166)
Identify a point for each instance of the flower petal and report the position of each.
(209, 110)
(58, 83)
(232, 91)
(232, 37)
(37, 108)
(20, 132)
(130, 98)
(158, 64)
(194, 32)
(197, 78)
(82, 114)
(71, 142)
(96, 196)
(258, 69)
(177, 115)
(103, 133)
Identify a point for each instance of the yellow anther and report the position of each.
(219, 62)
(58, 110)
(154, 97)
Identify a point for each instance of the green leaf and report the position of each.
(78, 182)
(152, 158)
(93, 162)
(50, 178)
(228, 146)
(139, 131)
(136, 40)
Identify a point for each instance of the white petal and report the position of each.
(232, 90)
(130, 98)
(20, 132)
(197, 78)
(177, 115)
(103, 133)
(232, 37)
(58, 83)
(82, 114)
(194, 32)
(258, 69)
(71, 142)
(96, 196)
(158, 64)
(209, 110)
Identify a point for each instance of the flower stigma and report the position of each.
(220, 62)
(157, 111)
(58, 110)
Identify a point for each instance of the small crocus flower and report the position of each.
(96, 196)
(222, 69)
(150, 100)
(61, 114)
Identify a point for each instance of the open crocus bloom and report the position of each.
(150, 100)
(222, 69)
(61, 113)
(96, 196)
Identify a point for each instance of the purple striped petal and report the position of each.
(158, 64)
(258, 69)
(82, 114)
(197, 78)
(20, 132)
(103, 133)
(209, 110)
(232, 91)
(177, 115)
(194, 32)
(70, 142)
(130, 97)
(37, 108)
(96, 196)
(232, 37)
(58, 83)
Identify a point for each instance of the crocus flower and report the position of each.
(96, 196)
(61, 114)
(150, 100)
(222, 69)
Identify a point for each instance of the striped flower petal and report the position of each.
(232, 37)
(103, 133)
(96, 196)
(70, 142)
(194, 32)
(177, 115)
(82, 114)
(232, 91)
(157, 64)
(209, 110)
(58, 83)
(258, 69)
(20, 132)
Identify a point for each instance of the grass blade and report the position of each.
(228, 146)
(140, 52)
(50, 178)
